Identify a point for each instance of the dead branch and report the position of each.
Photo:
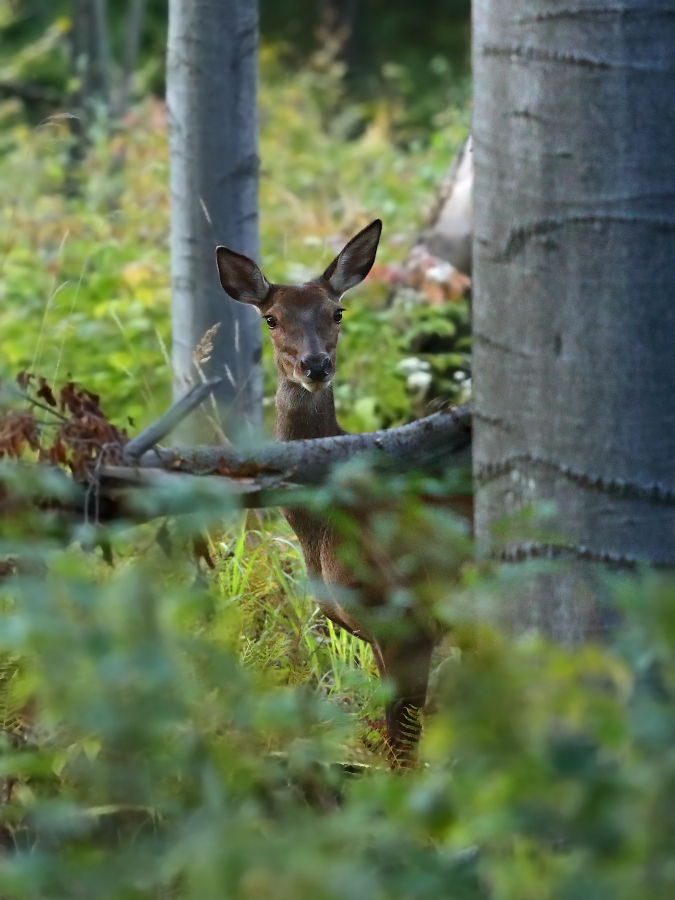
(429, 445)
(96, 473)
(176, 481)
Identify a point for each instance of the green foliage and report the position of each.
(163, 748)
(392, 52)
(85, 279)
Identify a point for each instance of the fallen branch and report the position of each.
(430, 445)
(177, 481)
(92, 471)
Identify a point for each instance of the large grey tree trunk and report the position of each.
(213, 141)
(574, 288)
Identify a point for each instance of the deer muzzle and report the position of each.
(316, 369)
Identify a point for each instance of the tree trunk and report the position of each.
(91, 65)
(132, 42)
(90, 48)
(211, 98)
(574, 278)
(103, 57)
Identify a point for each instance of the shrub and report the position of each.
(144, 756)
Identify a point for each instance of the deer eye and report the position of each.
(271, 321)
(337, 315)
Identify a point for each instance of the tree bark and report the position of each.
(103, 49)
(438, 265)
(574, 278)
(211, 98)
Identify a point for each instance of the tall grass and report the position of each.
(281, 630)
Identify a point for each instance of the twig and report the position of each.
(44, 406)
(166, 423)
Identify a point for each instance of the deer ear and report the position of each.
(354, 262)
(240, 277)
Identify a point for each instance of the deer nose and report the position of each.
(316, 368)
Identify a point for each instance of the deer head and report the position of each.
(304, 320)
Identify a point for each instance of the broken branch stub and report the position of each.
(170, 420)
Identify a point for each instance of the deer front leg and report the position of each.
(404, 664)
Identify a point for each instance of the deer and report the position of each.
(304, 326)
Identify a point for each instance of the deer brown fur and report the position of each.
(304, 322)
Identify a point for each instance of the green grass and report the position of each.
(261, 583)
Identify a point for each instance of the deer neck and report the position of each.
(302, 415)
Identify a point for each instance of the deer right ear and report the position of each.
(241, 278)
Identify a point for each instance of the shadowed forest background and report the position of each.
(176, 718)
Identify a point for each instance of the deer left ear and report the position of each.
(241, 278)
(354, 262)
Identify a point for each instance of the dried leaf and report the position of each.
(18, 428)
(23, 379)
(45, 392)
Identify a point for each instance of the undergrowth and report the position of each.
(156, 745)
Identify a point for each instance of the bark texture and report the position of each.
(574, 278)
(213, 140)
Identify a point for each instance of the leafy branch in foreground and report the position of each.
(100, 467)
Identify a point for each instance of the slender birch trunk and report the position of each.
(91, 54)
(213, 141)
(133, 33)
(574, 290)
